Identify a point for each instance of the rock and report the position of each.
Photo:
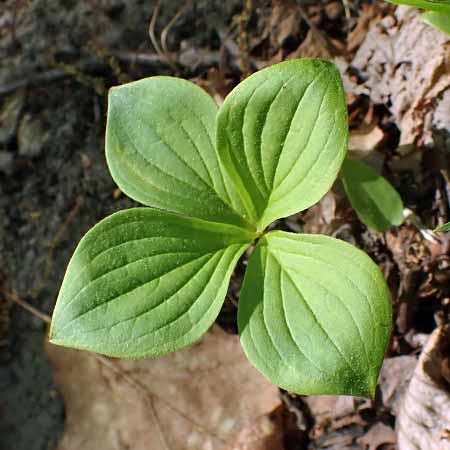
(31, 136)
(9, 115)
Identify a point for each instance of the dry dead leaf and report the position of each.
(264, 434)
(394, 378)
(331, 413)
(284, 22)
(365, 138)
(423, 420)
(208, 397)
(344, 439)
(326, 408)
(378, 435)
(315, 45)
(406, 65)
(324, 216)
(369, 15)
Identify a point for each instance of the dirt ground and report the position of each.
(58, 59)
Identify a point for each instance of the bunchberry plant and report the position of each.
(437, 15)
(314, 312)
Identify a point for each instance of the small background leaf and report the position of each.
(436, 5)
(144, 282)
(374, 199)
(314, 314)
(439, 20)
(443, 228)
(282, 135)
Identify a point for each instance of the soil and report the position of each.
(54, 183)
(58, 58)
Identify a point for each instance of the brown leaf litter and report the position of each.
(405, 64)
(206, 397)
(423, 420)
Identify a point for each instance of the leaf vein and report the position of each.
(330, 293)
(311, 132)
(130, 290)
(350, 367)
(163, 300)
(283, 306)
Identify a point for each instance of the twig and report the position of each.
(88, 65)
(138, 386)
(149, 395)
(227, 44)
(151, 33)
(55, 242)
(154, 412)
(146, 59)
(72, 214)
(427, 234)
(48, 76)
(85, 65)
(151, 30)
(232, 301)
(44, 77)
(168, 27)
(12, 296)
(347, 12)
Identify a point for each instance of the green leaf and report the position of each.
(282, 136)
(144, 282)
(374, 199)
(439, 20)
(160, 149)
(443, 228)
(314, 315)
(430, 5)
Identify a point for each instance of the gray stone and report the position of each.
(9, 115)
(31, 136)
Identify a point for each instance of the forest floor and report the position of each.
(58, 59)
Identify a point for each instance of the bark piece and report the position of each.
(423, 420)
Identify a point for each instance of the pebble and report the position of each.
(9, 115)
(31, 136)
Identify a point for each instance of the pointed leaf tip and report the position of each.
(314, 315)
